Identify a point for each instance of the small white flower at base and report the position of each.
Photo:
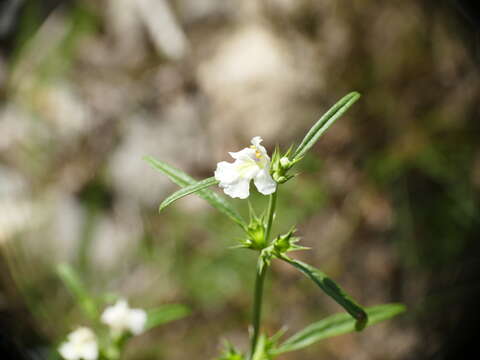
(81, 345)
(121, 318)
(252, 163)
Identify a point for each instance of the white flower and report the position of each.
(120, 318)
(81, 345)
(250, 163)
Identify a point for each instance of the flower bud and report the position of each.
(256, 236)
(285, 162)
(280, 166)
(285, 242)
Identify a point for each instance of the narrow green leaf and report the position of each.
(183, 180)
(165, 314)
(73, 283)
(335, 325)
(331, 289)
(187, 190)
(324, 123)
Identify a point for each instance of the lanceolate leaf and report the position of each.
(183, 180)
(165, 314)
(324, 123)
(335, 325)
(72, 281)
(333, 290)
(187, 190)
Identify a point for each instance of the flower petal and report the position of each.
(226, 172)
(82, 334)
(67, 350)
(81, 344)
(256, 142)
(244, 154)
(264, 182)
(136, 321)
(90, 351)
(239, 189)
(246, 169)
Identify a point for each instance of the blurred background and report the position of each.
(388, 200)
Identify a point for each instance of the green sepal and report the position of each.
(187, 190)
(255, 230)
(280, 165)
(230, 353)
(266, 346)
(285, 243)
(280, 246)
(265, 258)
(261, 351)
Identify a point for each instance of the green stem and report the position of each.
(257, 306)
(260, 278)
(271, 211)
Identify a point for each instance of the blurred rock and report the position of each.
(15, 207)
(115, 237)
(250, 79)
(194, 11)
(128, 20)
(175, 138)
(165, 31)
(125, 27)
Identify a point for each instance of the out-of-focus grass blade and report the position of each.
(324, 123)
(333, 290)
(165, 314)
(187, 190)
(183, 180)
(335, 325)
(72, 281)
